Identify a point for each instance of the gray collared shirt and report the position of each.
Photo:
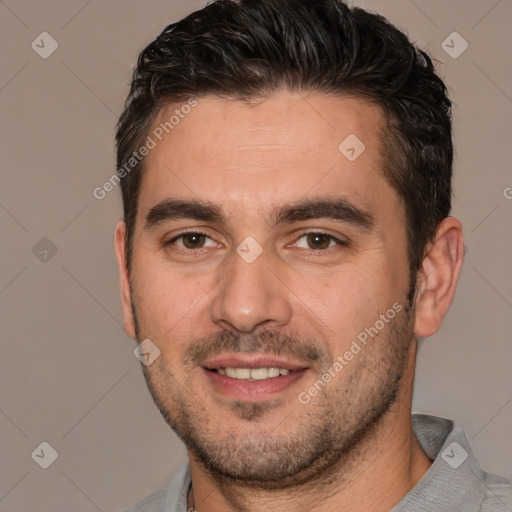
(454, 483)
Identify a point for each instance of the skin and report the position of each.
(352, 447)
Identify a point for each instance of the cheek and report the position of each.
(168, 304)
(348, 301)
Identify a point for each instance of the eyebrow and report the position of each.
(171, 209)
(339, 209)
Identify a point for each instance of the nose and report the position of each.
(251, 295)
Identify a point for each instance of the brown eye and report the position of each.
(190, 243)
(318, 240)
(193, 240)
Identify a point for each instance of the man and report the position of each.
(286, 176)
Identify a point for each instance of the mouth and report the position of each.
(252, 374)
(252, 378)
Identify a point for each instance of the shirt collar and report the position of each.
(455, 480)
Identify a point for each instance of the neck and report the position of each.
(387, 464)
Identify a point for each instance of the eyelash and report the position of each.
(199, 251)
(188, 252)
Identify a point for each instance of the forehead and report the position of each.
(249, 157)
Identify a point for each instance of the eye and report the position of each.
(318, 241)
(191, 240)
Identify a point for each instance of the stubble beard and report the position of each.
(317, 439)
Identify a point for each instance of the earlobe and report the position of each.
(126, 303)
(438, 277)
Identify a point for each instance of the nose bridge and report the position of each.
(250, 294)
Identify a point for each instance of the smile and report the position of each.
(252, 373)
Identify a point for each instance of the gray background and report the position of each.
(68, 373)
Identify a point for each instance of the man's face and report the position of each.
(298, 251)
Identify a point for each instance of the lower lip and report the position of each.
(252, 390)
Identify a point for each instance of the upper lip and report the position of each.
(251, 361)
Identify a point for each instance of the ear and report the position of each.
(126, 301)
(438, 277)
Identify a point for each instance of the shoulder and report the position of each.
(456, 479)
(168, 499)
(498, 494)
(152, 503)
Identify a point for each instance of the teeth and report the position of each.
(253, 373)
(260, 373)
(242, 373)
